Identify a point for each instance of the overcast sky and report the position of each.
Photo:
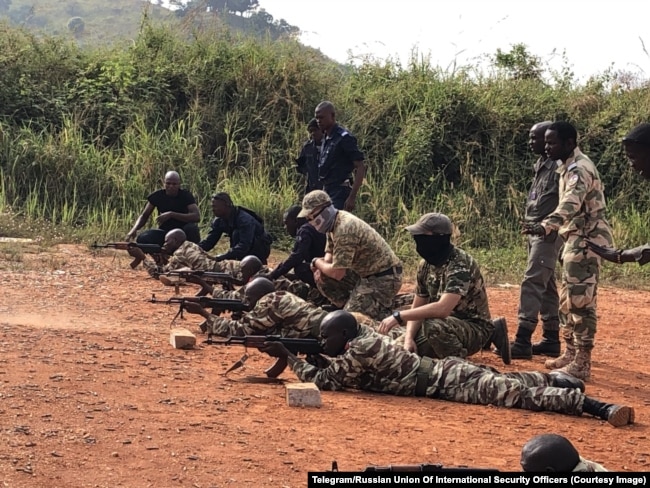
(594, 34)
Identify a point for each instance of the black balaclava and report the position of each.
(435, 249)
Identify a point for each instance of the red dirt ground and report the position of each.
(93, 395)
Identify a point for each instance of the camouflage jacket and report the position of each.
(371, 362)
(582, 208)
(461, 275)
(588, 466)
(279, 312)
(190, 255)
(355, 245)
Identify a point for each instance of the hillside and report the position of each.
(100, 22)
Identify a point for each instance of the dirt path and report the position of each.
(93, 395)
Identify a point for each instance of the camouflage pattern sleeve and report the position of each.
(229, 294)
(459, 275)
(422, 277)
(222, 326)
(372, 362)
(152, 268)
(576, 182)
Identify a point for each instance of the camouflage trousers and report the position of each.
(372, 296)
(441, 338)
(458, 380)
(578, 292)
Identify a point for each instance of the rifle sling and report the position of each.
(422, 376)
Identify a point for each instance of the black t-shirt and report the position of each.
(165, 203)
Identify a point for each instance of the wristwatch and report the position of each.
(397, 316)
(313, 262)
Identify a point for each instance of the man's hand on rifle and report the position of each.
(197, 308)
(532, 228)
(275, 349)
(136, 252)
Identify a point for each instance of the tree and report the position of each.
(241, 6)
(519, 63)
(76, 25)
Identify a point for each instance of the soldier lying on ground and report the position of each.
(188, 255)
(367, 360)
(552, 452)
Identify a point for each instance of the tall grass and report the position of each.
(97, 130)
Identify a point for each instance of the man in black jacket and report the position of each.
(245, 228)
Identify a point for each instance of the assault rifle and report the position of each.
(310, 347)
(218, 304)
(414, 468)
(154, 250)
(206, 278)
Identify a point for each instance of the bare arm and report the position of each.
(192, 215)
(324, 265)
(421, 310)
(142, 219)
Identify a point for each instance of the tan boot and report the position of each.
(565, 359)
(580, 367)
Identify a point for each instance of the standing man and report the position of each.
(359, 272)
(450, 315)
(177, 209)
(579, 217)
(307, 162)
(245, 228)
(538, 295)
(637, 149)
(339, 158)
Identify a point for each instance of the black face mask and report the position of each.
(434, 249)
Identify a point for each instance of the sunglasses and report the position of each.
(320, 211)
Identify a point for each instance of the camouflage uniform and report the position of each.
(580, 216)
(190, 255)
(278, 312)
(587, 466)
(375, 362)
(359, 248)
(469, 326)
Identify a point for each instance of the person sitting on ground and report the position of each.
(364, 359)
(245, 228)
(176, 208)
(637, 149)
(450, 315)
(359, 272)
(554, 453)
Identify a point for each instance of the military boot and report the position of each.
(522, 348)
(549, 345)
(560, 379)
(500, 339)
(580, 367)
(616, 415)
(564, 359)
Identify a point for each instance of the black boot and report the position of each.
(500, 339)
(616, 415)
(560, 379)
(522, 348)
(549, 345)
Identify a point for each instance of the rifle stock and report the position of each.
(295, 346)
(415, 468)
(153, 249)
